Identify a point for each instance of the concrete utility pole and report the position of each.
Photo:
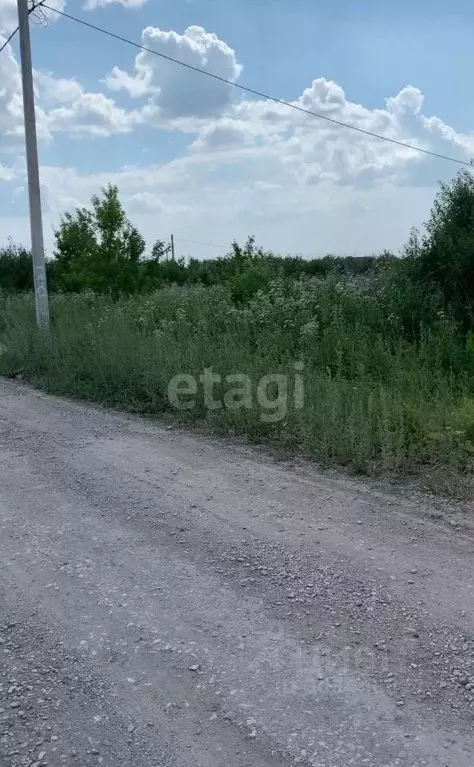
(34, 194)
(172, 247)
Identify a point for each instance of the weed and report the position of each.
(378, 396)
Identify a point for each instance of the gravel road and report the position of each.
(170, 600)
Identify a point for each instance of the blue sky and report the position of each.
(210, 165)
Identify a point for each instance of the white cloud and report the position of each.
(464, 141)
(313, 150)
(409, 99)
(11, 104)
(91, 5)
(6, 174)
(299, 182)
(8, 17)
(92, 114)
(119, 80)
(230, 132)
(150, 202)
(54, 90)
(78, 112)
(192, 198)
(175, 91)
(9, 14)
(10, 94)
(62, 106)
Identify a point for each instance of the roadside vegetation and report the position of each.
(387, 343)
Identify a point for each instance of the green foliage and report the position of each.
(375, 398)
(98, 249)
(444, 255)
(159, 251)
(16, 272)
(387, 343)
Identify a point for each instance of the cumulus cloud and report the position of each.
(176, 91)
(436, 126)
(250, 164)
(136, 86)
(62, 106)
(78, 112)
(409, 99)
(312, 149)
(11, 104)
(196, 198)
(231, 132)
(10, 94)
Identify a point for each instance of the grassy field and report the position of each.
(379, 395)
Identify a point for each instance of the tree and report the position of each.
(444, 256)
(152, 268)
(160, 251)
(99, 249)
(16, 269)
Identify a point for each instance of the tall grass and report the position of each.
(379, 395)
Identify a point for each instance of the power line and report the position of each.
(204, 244)
(9, 39)
(33, 8)
(259, 94)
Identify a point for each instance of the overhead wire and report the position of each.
(41, 19)
(258, 94)
(9, 39)
(204, 244)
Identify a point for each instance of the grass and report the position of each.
(379, 396)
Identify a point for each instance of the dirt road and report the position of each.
(172, 601)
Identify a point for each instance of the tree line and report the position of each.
(98, 249)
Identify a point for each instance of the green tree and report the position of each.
(444, 255)
(16, 269)
(99, 249)
(152, 268)
(160, 251)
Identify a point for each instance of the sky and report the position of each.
(209, 163)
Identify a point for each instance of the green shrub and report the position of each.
(375, 399)
(444, 255)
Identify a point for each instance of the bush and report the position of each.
(387, 344)
(374, 399)
(443, 257)
(98, 249)
(16, 269)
